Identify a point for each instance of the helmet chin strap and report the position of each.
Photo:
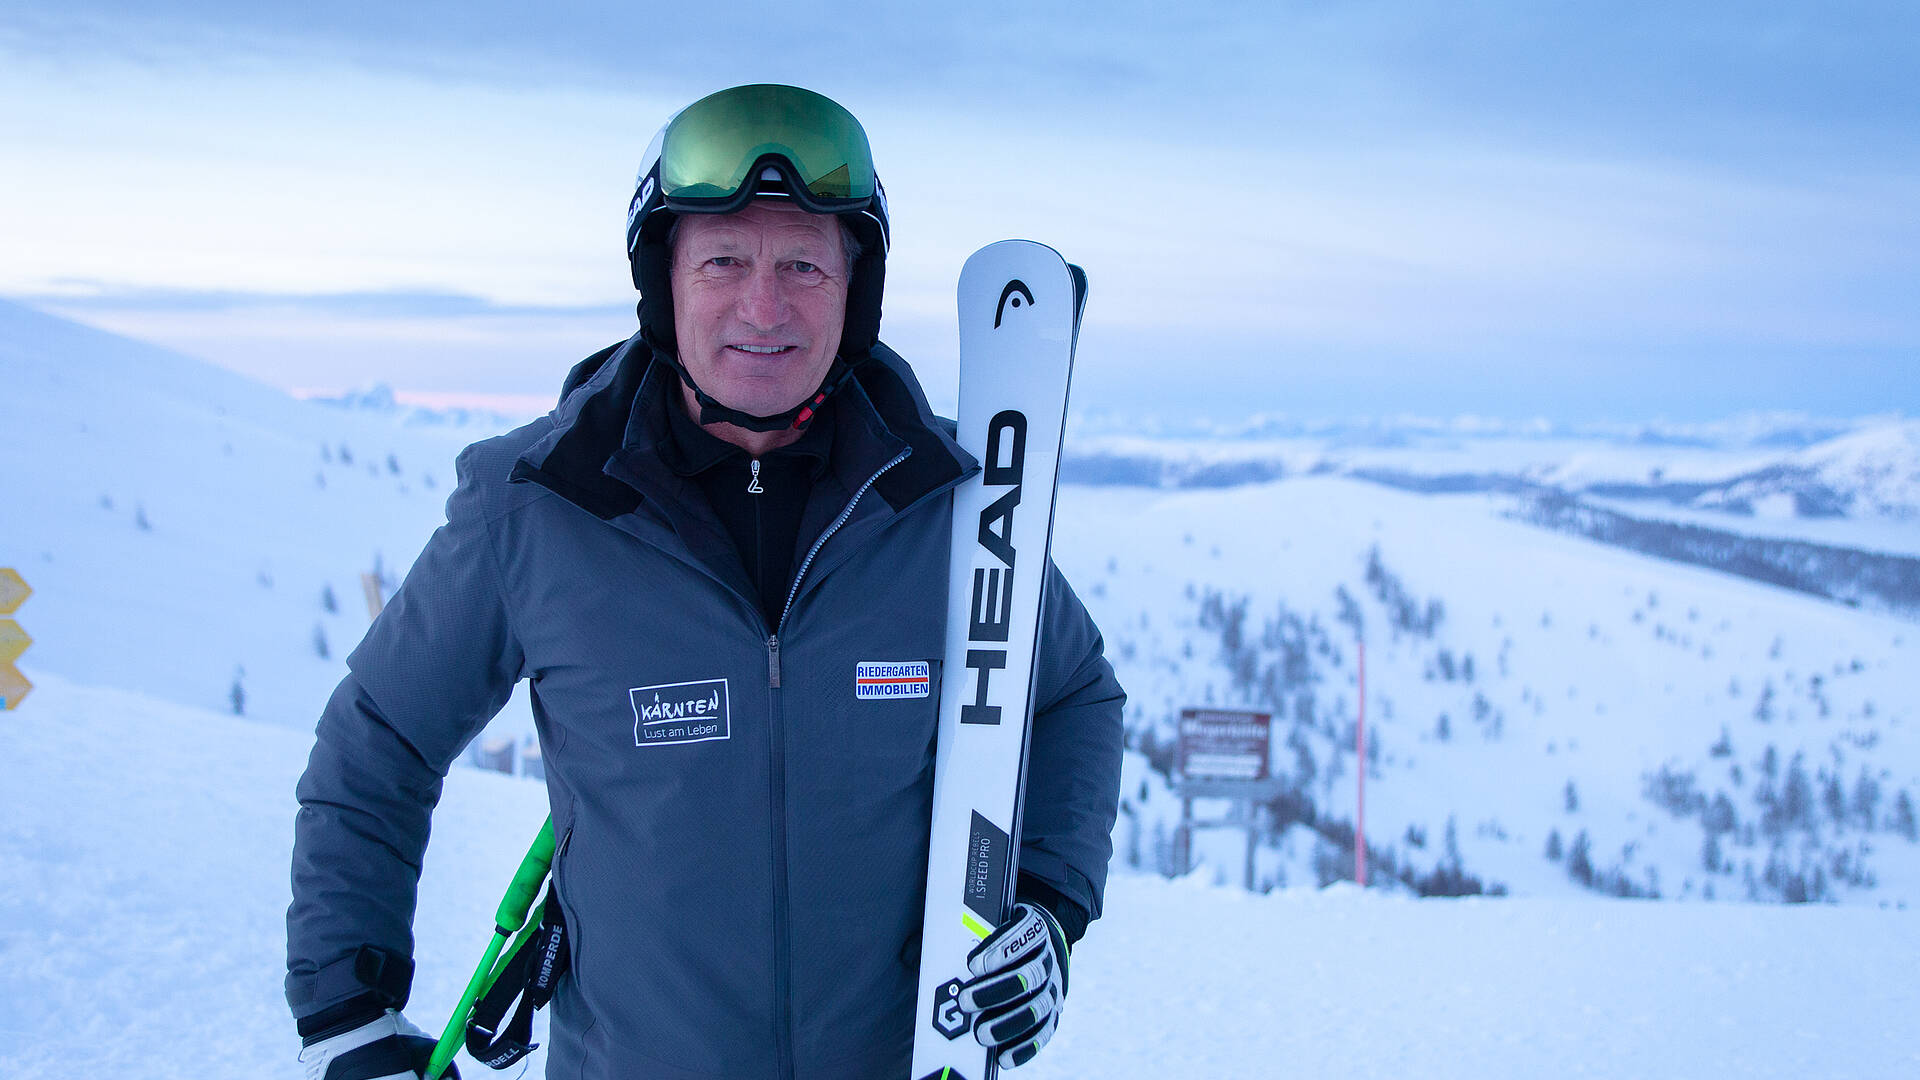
(794, 419)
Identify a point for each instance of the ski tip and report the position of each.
(1001, 248)
(1079, 294)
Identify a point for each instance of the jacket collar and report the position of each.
(696, 450)
(605, 450)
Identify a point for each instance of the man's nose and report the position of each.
(763, 304)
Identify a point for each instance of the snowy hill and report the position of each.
(1838, 519)
(187, 531)
(1870, 473)
(1528, 693)
(145, 861)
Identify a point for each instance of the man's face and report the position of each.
(759, 299)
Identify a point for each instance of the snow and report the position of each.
(1181, 980)
(144, 851)
(143, 880)
(1879, 466)
(181, 526)
(1600, 665)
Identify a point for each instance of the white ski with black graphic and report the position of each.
(1020, 305)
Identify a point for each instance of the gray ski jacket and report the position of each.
(742, 835)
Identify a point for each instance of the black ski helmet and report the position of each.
(759, 141)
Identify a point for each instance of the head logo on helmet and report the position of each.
(640, 197)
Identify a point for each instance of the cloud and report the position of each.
(1757, 78)
(1367, 204)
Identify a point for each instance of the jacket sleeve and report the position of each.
(1073, 760)
(437, 664)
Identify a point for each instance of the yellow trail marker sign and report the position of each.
(12, 590)
(13, 686)
(13, 640)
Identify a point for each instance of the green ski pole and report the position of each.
(508, 920)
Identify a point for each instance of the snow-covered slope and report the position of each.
(144, 853)
(1865, 474)
(143, 881)
(1507, 666)
(187, 531)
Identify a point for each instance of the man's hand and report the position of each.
(384, 1048)
(1019, 980)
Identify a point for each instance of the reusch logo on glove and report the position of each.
(1011, 948)
(685, 712)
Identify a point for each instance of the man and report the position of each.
(723, 516)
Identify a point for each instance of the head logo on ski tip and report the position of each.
(1016, 289)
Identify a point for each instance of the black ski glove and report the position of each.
(1019, 982)
(385, 1048)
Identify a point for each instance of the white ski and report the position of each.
(1020, 305)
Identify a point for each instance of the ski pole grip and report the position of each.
(512, 914)
(508, 918)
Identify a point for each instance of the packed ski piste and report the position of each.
(813, 823)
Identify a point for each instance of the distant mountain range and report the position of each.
(1868, 471)
(379, 400)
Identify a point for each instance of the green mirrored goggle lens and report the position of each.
(711, 147)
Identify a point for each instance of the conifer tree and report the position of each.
(1580, 861)
(1866, 800)
(1833, 800)
(1710, 858)
(1903, 819)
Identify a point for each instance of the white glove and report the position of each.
(389, 1048)
(1019, 981)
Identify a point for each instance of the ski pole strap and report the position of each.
(524, 982)
(510, 917)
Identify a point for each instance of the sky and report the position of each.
(1506, 209)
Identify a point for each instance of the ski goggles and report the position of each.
(715, 153)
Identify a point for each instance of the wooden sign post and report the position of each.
(1223, 755)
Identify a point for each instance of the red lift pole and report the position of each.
(1360, 753)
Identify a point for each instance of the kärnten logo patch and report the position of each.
(684, 712)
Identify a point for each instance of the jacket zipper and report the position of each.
(782, 933)
(773, 640)
(793, 590)
(759, 568)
